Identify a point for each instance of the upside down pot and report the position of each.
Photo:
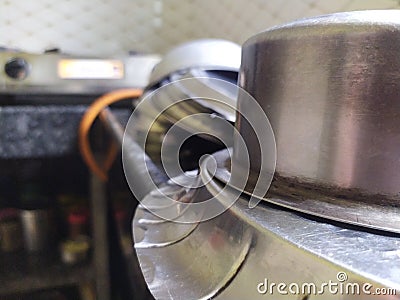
(330, 87)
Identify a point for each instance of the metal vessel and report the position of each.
(205, 58)
(329, 86)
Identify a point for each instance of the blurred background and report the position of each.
(101, 27)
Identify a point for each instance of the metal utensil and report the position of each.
(329, 86)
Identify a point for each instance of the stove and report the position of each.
(59, 74)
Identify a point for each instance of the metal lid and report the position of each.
(208, 54)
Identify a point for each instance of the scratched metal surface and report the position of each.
(267, 242)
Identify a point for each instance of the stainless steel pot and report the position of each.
(330, 87)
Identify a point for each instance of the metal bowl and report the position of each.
(330, 87)
(183, 74)
(206, 54)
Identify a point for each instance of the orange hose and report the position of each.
(86, 123)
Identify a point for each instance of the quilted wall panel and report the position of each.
(107, 28)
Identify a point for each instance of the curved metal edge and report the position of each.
(284, 247)
(154, 258)
(211, 54)
(356, 20)
(374, 216)
(366, 257)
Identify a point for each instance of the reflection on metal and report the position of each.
(166, 234)
(159, 110)
(229, 256)
(200, 258)
(334, 204)
(330, 88)
(207, 58)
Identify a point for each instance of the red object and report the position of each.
(77, 218)
(78, 223)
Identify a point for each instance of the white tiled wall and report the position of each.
(109, 27)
